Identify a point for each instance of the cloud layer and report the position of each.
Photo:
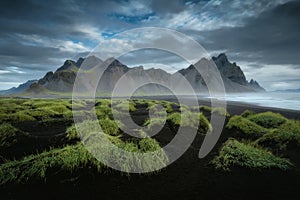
(261, 36)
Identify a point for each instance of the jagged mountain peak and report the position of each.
(113, 62)
(79, 61)
(63, 79)
(68, 65)
(89, 62)
(92, 58)
(221, 57)
(230, 70)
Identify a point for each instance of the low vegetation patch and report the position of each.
(46, 164)
(282, 137)
(125, 105)
(268, 119)
(10, 135)
(246, 126)
(189, 119)
(16, 117)
(238, 154)
(220, 111)
(205, 109)
(71, 158)
(248, 113)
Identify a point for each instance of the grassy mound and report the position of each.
(71, 133)
(46, 164)
(16, 117)
(125, 105)
(103, 111)
(248, 113)
(220, 111)
(9, 135)
(206, 109)
(246, 126)
(69, 159)
(17, 110)
(268, 119)
(237, 154)
(189, 119)
(108, 126)
(282, 137)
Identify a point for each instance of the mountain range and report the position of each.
(16, 90)
(62, 80)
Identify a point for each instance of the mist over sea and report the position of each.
(283, 100)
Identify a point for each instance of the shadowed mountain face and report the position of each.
(230, 70)
(63, 79)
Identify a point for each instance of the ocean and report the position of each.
(268, 99)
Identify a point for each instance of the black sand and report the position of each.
(187, 178)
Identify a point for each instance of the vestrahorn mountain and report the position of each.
(62, 80)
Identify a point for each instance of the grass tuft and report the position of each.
(268, 119)
(246, 126)
(9, 135)
(238, 154)
(48, 163)
(282, 137)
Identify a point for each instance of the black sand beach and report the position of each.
(187, 178)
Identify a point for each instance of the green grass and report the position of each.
(109, 126)
(77, 104)
(125, 105)
(71, 133)
(235, 154)
(220, 111)
(247, 113)
(148, 145)
(185, 119)
(268, 119)
(71, 158)
(9, 135)
(189, 119)
(205, 109)
(103, 102)
(285, 135)
(33, 109)
(149, 103)
(16, 117)
(168, 106)
(155, 121)
(103, 111)
(48, 163)
(246, 126)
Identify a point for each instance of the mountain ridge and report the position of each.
(19, 89)
(63, 78)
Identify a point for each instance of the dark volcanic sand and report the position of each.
(187, 178)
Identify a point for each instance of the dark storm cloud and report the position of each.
(37, 36)
(36, 17)
(270, 38)
(174, 6)
(14, 48)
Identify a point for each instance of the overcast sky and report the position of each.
(261, 36)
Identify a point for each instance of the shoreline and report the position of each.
(237, 108)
